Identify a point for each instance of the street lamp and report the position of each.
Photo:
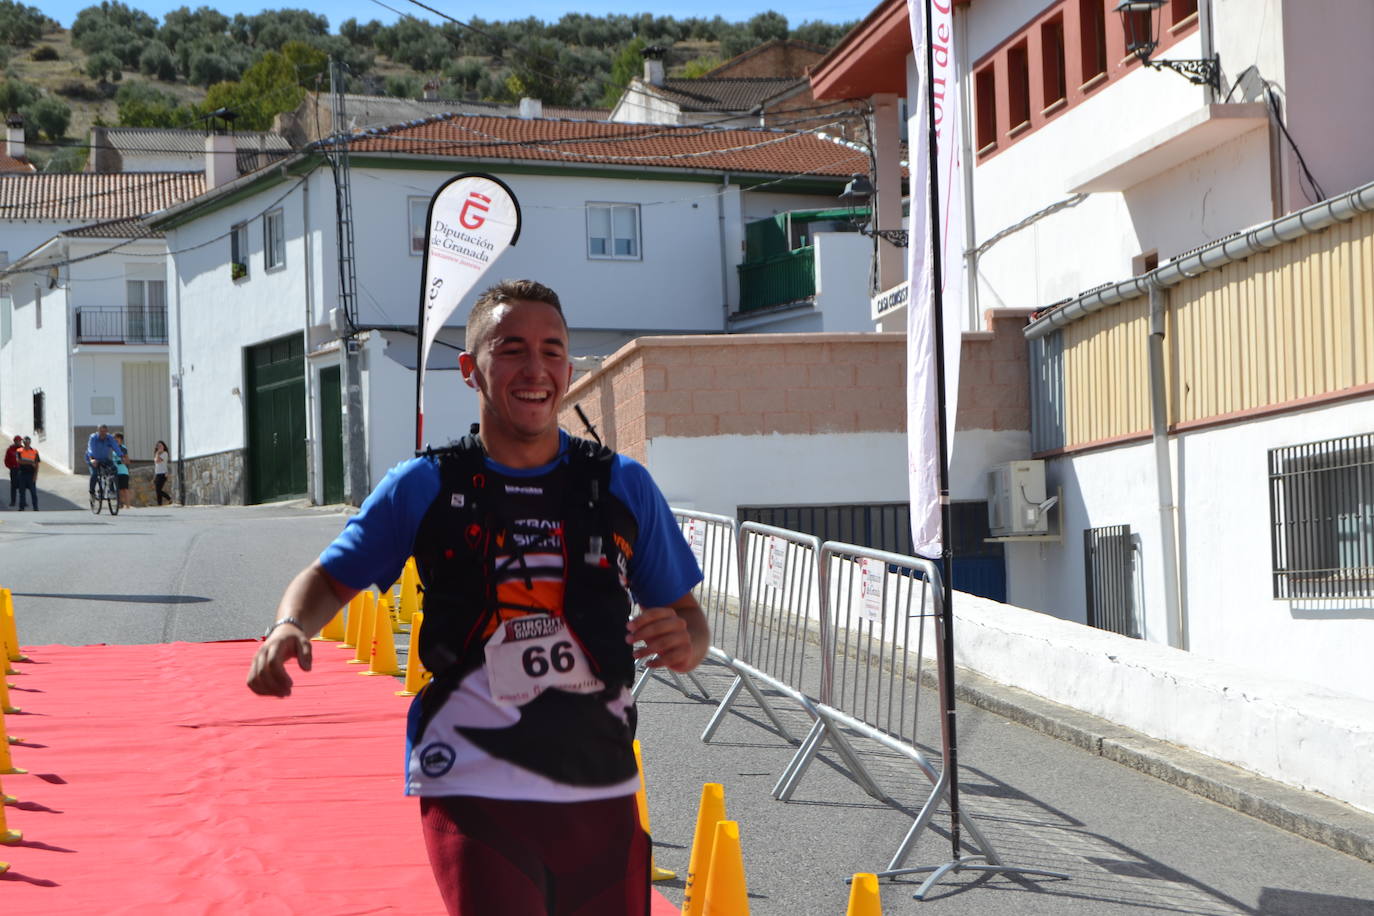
(1140, 22)
(857, 193)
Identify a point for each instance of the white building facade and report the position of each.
(631, 248)
(1088, 168)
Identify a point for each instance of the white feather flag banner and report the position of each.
(940, 82)
(472, 219)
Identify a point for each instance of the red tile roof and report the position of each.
(89, 197)
(131, 228)
(606, 143)
(11, 164)
(711, 93)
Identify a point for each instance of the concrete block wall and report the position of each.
(743, 384)
(994, 374)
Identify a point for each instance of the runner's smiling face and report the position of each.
(521, 371)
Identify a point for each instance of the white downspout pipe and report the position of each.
(1164, 480)
(724, 252)
(312, 437)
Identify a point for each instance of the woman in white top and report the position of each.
(160, 471)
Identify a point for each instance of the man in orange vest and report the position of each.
(28, 473)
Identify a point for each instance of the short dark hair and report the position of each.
(480, 320)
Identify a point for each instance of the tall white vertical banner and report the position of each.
(473, 218)
(923, 456)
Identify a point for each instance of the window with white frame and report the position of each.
(613, 231)
(273, 240)
(146, 312)
(238, 251)
(419, 211)
(1321, 506)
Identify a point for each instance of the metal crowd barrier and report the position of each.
(879, 605)
(714, 540)
(868, 613)
(783, 601)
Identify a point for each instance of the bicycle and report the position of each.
(106, 492)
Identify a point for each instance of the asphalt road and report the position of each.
(1131, 844)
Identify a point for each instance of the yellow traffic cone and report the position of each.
(726, 892)
(417, 675)
(642, 797)
(382, 659)
(7, 836)
(4, 649)
(386, 603)
(710, 811)
(354, 620)
(410, 592)
(11, 631)
(6, 764)
(864, 899)
(334, 630)
(6, 799)
(5, 697)
(362, 647)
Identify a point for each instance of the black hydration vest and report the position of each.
(456, 548)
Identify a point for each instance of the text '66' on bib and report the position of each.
(531, 654)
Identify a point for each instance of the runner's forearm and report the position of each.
(313, 598)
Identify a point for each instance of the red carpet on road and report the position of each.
(158, 784)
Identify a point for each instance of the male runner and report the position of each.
(527, 541)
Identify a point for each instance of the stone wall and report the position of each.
(211, 480)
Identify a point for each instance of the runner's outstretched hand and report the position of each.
(268, 675)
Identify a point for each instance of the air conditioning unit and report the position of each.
(1017, 503)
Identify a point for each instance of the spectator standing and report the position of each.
(12, 465)
(160, 462)
(28, 473)
(120, 456)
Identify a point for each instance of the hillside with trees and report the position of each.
(119, 66)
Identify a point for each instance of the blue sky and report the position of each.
(796, 11)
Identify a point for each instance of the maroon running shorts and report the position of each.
(523, 858)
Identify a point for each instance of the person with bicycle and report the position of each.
(100, 451)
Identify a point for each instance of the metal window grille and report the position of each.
(1321, 508)
(39, 423)
(1109, 563)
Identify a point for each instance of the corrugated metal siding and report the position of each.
(1296, 322)
(1106, 374)
(1292, 323)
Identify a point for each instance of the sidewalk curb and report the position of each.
(1305, 813)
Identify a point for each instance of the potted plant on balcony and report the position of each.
(238, 270)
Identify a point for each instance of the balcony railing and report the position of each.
(783, 278)
(117, 324)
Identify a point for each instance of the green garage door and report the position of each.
(275, 377)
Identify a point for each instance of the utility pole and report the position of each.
(356, 478)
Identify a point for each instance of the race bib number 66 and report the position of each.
(534, 653)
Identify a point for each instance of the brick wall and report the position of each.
(994, 374)
(760, 384)
(743, 384)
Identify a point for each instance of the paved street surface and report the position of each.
(1132, 844)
